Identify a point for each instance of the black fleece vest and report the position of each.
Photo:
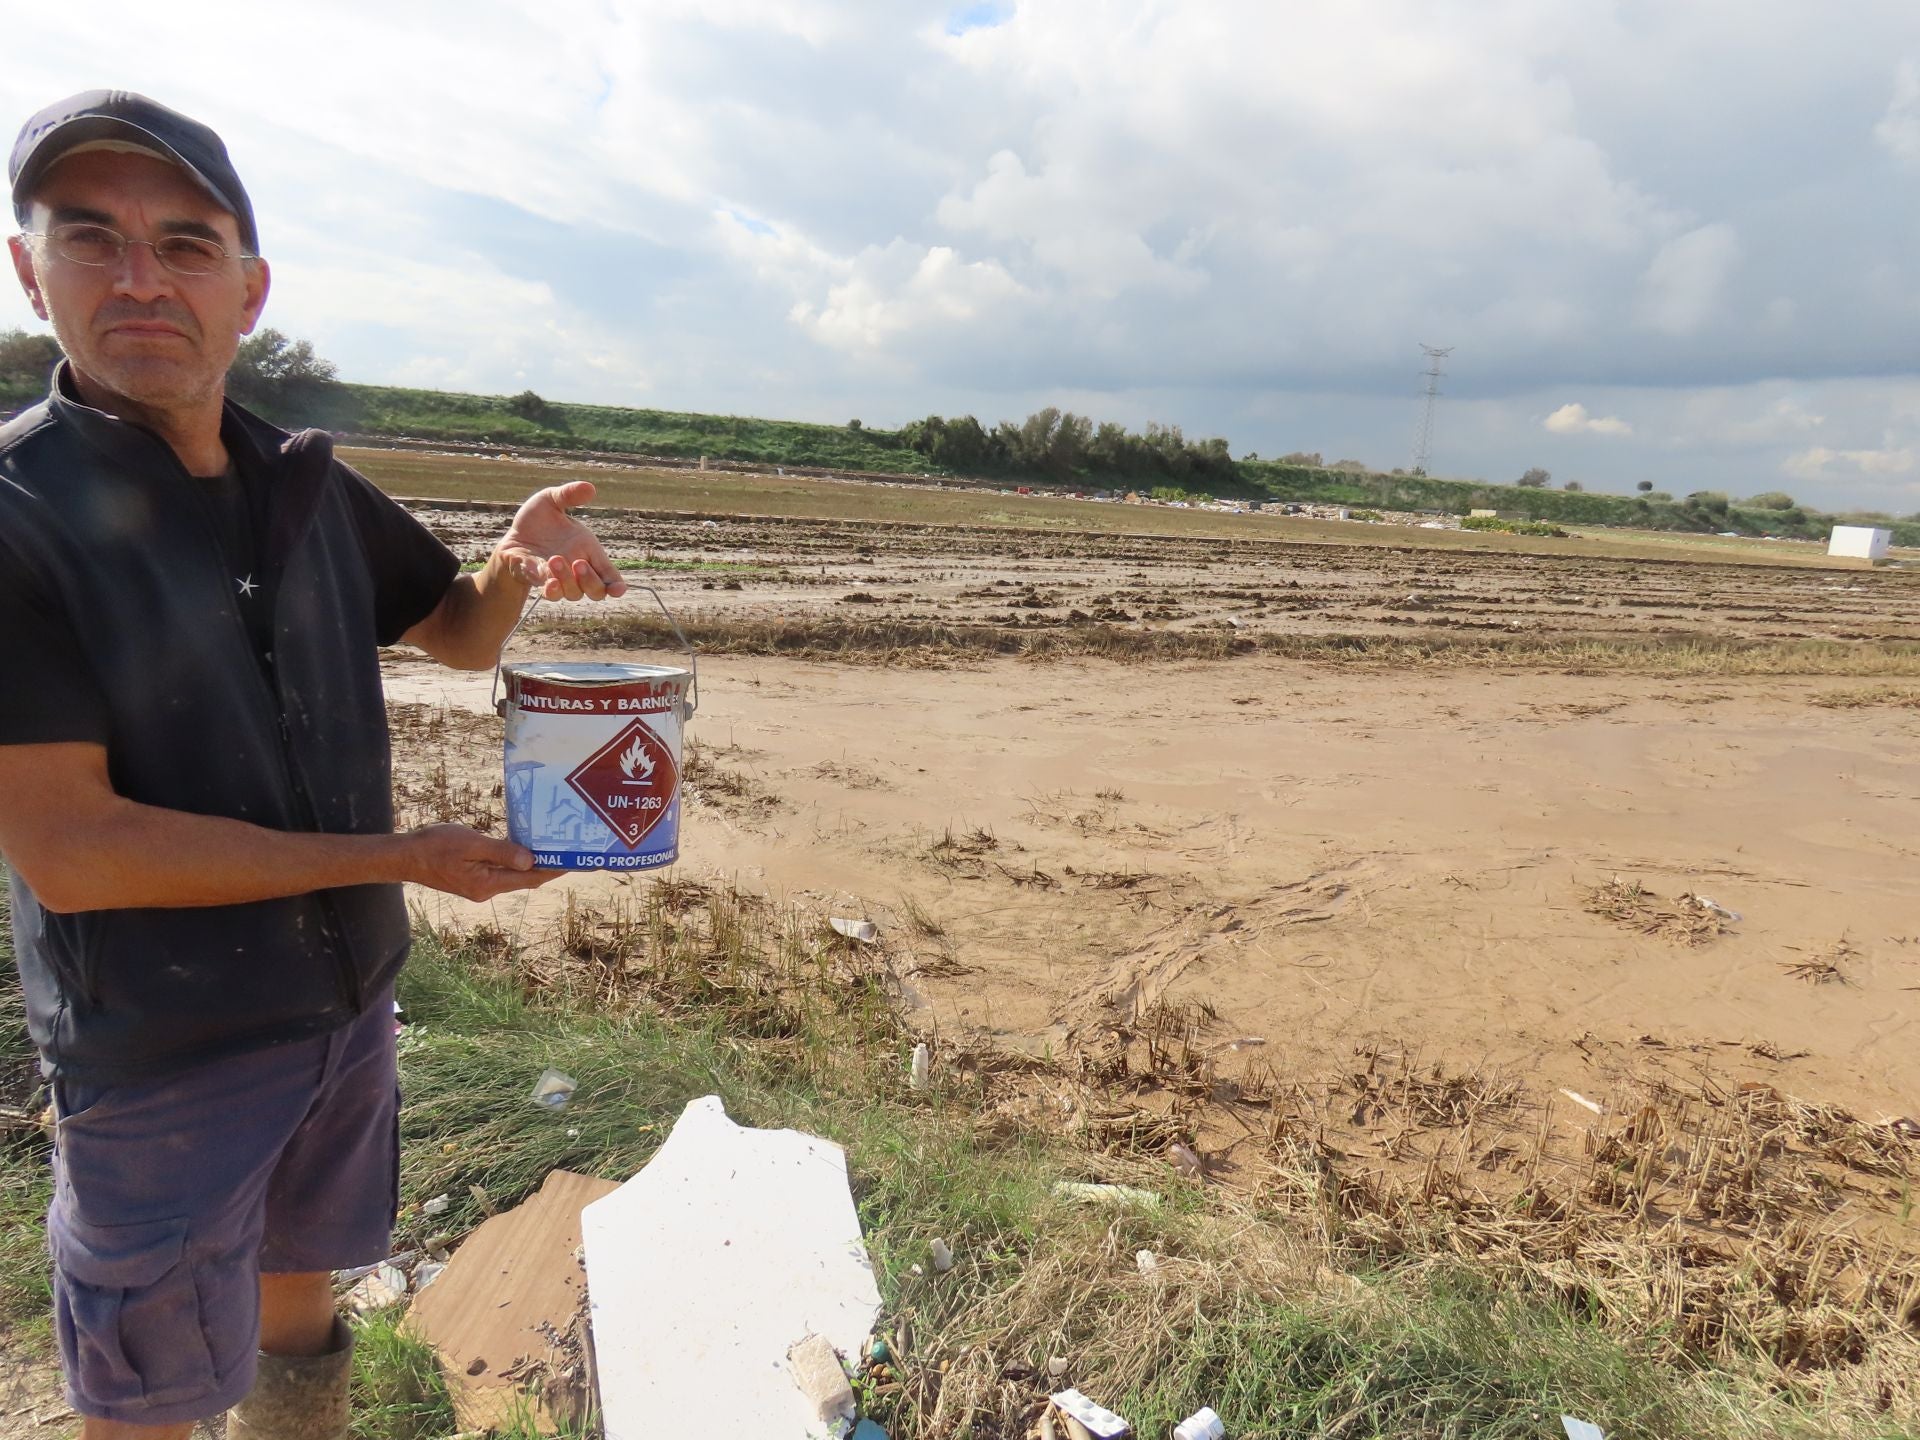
(103, 517)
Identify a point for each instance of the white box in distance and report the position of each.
(1859, 542)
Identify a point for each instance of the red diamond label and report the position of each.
(630, 782)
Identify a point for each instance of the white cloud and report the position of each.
(835, 207)
(1821, 463)
(905, 290)
(1682, 286)
(1572, 419)
(1899, 129)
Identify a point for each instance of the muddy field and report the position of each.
(1462, 934)
(731, 566)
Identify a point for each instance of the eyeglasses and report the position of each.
(100, 246)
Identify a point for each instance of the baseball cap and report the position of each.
(122, 120)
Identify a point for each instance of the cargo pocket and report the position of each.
(127, 1307)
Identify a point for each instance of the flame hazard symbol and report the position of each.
(636, 764)
(631, 782)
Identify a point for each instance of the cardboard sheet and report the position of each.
(507, 1319)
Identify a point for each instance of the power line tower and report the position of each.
(1423, 437)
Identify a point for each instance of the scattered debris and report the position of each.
(867, 1430)
(1824, 968)
(942, 1255)
(1203, 1424)
(1094, 1194)
(1185, 1160)
(918, 1071)
(1057, 1365)
(553, 1089)
(1580, 1429)
(727, 1245)
(1099, 1421)
(429, 1271)
(386, 1286)
(1577, 1098)
(1145, 1261)
(817, 1370)
(1714, 905)
(865, 931)
(1685, 920)
(511, 1302)
(436, 1206)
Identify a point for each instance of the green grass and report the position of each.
(25, 1181)
(487, 420)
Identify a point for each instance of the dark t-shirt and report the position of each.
(239, 514)
(410, 567)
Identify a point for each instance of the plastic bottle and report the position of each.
(1203, 1424)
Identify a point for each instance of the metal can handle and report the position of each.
(687, 706)
(692, 702)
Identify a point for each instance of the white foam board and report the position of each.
(706, 1267)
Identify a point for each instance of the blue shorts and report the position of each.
(171, 1196)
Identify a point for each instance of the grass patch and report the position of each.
(913, 643)
(26, 1183)
(398, 1392)
(1513, 527)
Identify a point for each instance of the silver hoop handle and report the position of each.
(688, 706)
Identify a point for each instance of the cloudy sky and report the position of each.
(1675, 242)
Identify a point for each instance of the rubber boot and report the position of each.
(298, 1397)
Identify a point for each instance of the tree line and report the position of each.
(1060, 446)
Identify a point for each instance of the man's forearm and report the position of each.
(473, 621)
(127, 856)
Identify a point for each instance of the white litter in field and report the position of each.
(1093, 1194)
(823, 1380)
(865, 931)
(1722, 911)
(1577, 1098)
(1580, 1429)
(920, 1070)
(706, 1267)
(1101, 1421)
(553, 1089)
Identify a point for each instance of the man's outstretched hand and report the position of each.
(466, 863)
(556, 554)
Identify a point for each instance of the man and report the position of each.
(195, 797)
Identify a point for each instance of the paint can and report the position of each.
(593, 759)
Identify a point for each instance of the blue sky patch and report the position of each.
(981, 16)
